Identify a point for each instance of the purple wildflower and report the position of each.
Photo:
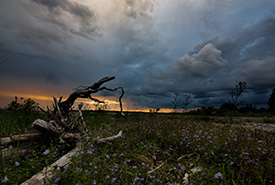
(107, 156)
(182, 168)
(17, 164)
(137, 178)
(56, 180)
(89, 152)
(218, 176)
(154, 157)
(46, 152)
(4, 180)
(134, 167)
(107, 177)
(113, 180)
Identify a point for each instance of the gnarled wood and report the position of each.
(83, 92)
(62, 125)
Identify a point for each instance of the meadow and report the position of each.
(155, 149)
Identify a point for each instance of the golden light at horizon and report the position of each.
(45, 101)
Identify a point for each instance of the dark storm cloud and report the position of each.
(210, 70)
(254, 41)
(37, 57)
(153, 47)
(43, 31)
(58, 13)
(32, 34)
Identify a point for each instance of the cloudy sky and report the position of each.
(154, 48)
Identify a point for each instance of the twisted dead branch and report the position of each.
(65, 126)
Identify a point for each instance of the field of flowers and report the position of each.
(154, 149)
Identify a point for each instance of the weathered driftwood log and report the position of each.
(103, 140)
(62, 163)
(23, 137)
(46, 173)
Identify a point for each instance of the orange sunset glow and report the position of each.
(112, 102)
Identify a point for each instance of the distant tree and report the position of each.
(176, 100)
(101, 106)
(187, 100)
(27, 105)
(236, 94)
(154, 110)
(271, 101)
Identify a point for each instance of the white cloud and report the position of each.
(207, 60)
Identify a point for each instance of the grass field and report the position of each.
(154, 149)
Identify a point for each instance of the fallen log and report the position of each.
(23, 137)
(103, 140)
(46, 173)
(62, 163)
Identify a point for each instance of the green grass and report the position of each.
(225, 155)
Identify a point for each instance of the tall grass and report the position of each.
(167, 146)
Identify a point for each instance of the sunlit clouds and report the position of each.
(154, 48)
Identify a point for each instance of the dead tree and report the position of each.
(66, 125)
(62, 124)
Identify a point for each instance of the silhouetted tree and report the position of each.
(235, 94)
(271, 101)
(176, 100)
(187, 100)
(27, 105)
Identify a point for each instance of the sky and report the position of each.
(154, 48)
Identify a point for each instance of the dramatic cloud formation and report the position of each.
(207, 60)
(154, 48)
